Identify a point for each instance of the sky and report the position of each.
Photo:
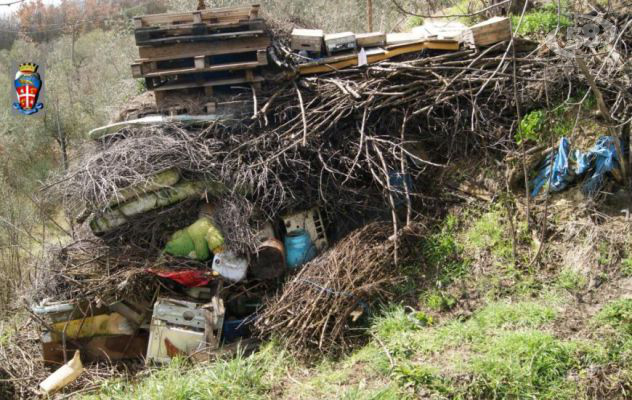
(4, 10)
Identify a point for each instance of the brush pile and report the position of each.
(338, 140)
(318, 306)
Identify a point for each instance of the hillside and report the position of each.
(469, 194)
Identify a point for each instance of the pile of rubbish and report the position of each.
(562, 168)
(286, 216)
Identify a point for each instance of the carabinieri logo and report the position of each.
(27, 86)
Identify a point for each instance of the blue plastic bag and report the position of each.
(567, 168)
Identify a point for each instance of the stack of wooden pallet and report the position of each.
(195, 54)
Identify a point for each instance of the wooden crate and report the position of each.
(211, 16)
(307, 39)
(494, 30)
(337, 42)
(199, 63)
(372, 39)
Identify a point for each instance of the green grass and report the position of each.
(443, 253)
(488, 233)
(626, 267)
(439, 301)
(571, 280)
(617, 315)
(542, 21)
(523, 364)
(252, 377)
(504, 349)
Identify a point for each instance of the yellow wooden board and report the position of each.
(341, 62)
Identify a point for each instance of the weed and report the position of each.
(530, 127)
(571, 280)
(417, 376)
(604, 255)
(442, 253)
(626, 267)
(423, 318)
(542, 126)
(439, 301)
(488, 233)
(541, 22)
(618, 315)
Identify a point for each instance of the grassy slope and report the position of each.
(485, 329)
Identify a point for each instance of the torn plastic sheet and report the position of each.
(189, 278)
(568, 167)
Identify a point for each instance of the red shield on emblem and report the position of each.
(27, 95)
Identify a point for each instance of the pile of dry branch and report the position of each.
(316, 308)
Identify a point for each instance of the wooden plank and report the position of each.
(218, 82)
(219, 26)
(494, 30)
(336, 63)
(186, 50)
(211, 68)
(143, 35)
(214, 14)
(201, 38)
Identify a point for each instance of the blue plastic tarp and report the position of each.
(561, 168)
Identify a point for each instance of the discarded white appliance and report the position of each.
(184, 328)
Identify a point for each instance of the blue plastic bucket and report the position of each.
(299, 248)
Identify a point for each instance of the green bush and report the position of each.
(541, 22)
(438, 301)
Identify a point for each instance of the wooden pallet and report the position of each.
(203, 80)
(210, 16)
(199, 103)
(200, 63)
(151, 35)
(185, 50)
(214, 37)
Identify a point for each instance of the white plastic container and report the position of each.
(63, 376)
(229, 266)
